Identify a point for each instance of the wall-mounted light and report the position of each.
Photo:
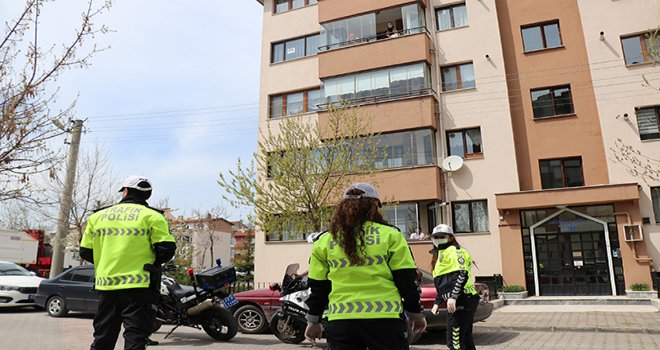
(602, 36)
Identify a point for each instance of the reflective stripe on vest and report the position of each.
(122, 279)
(368, 261)
(357, 307)
(119, 232)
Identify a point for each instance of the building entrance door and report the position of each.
(571, 255)
(573, 264)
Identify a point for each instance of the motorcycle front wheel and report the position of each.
(287, 329)
(219, 323)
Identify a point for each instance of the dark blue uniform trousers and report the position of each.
(132, 307)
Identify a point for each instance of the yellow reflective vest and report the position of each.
(366, 290)
(121, 237)
(454, 267)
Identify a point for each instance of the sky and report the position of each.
(173, 98)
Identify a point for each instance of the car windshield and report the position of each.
(10, 269)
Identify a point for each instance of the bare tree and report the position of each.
(96, 186)
(301, 168)
(15, 215)
(27, 72)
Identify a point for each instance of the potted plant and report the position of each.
(513, 291)
(642, 291)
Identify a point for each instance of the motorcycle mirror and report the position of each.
(191, 271)
(275, 287)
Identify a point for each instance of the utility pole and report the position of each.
(66, 201)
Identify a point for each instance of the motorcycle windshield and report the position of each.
(291, 271)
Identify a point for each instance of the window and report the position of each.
(648, 122)
(470, 216)
(294, 103)
(404, 216)
(655, 197)
(453, 16)
(465, 143)
(550, 102)
(456, 77)
(382, 84)
(541, 36)
(636, 48)
(286, 5)
(83, 275)
(561, 173)
(294, 48)
(409, 19)
(406, 149)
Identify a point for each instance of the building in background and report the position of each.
(526, 93)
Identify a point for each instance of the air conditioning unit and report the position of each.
(632, 232)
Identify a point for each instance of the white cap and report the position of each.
(133, 181)
(442, 230)
(369, 191)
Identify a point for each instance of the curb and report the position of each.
(570, 329)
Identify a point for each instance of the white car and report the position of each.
(17, 285)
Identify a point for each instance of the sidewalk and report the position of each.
(575, 318)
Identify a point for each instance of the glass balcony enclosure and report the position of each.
(384, 24)
(377, 85)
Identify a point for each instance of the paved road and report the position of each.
(34, 330)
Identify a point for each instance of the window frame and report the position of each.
(463, 132)
(554, 103)
(543, 38)
(470, 213)
(645, 52)
(284, 42)
(290, 6)
(656, 109)
(458, 76)
(655, 203)
(305, 102)
(450, 7)
(563, 171)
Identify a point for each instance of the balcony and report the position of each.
(403, 114)
(336, 9)
(412, 184)
(368, 55)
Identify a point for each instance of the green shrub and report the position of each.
(513, 289)
(640, 287)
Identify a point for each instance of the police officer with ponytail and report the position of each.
(363, 272)
(123, 242)
(454, 284)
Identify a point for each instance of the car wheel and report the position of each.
(251, 319)
(56, 307)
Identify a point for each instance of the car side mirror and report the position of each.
(33, 273)
(275, 287)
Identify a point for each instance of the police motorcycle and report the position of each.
(289, 323)
(203, 305)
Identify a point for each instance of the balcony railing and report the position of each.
(426, 91)
(382, 36)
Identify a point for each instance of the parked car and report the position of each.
(17, 285)
(72, 290)
(255, 308)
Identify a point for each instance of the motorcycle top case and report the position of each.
(216, 277)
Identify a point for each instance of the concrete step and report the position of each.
(579, 301)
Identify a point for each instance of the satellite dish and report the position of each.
(452, 163)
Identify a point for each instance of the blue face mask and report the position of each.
(439, 241)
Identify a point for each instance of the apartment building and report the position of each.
(514, 89)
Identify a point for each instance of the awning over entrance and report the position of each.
(567, 196)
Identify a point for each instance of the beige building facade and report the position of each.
(515, 90)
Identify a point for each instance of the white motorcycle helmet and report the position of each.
(440, 234)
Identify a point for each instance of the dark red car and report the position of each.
(256, 307)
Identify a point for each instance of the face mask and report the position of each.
(440, 241)
(390, 26)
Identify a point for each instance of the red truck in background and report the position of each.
(27, 248)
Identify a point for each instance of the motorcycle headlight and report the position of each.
(3, 287)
